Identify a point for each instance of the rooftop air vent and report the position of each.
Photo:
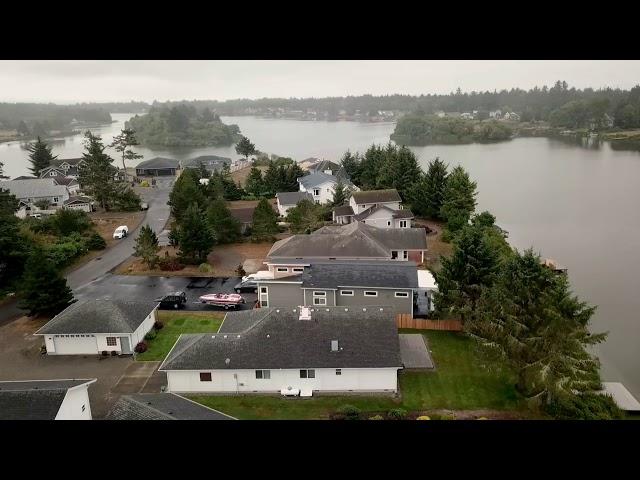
(334, 345)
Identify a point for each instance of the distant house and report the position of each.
(70, 166)
(158, 166)
(161, 406)
(71, 183)
(512, 116)
(29, 192)
(82, 203)
(356, 241)
(95, 326)
(212, 163)
(495, 114)
(52, 172)
(45, 400)
(290, 351)
(321, 185)
(466, 116)
(288, 200)
(335, 283)
(379, 208)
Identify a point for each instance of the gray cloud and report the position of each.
(101, 80)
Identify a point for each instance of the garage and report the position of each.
(74, 344)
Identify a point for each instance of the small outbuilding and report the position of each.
(92, 327)
(157, 167)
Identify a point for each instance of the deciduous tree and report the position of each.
(123, 143)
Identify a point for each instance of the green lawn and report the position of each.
(176, 323)
(460, 382)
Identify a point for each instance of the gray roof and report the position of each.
(318, 178)
(211, 162)
(276, 338)
(99, 316)
(161, 406)
(158, 162)
(323, 165)
(34, 399)
(24, 177)
(344, 210)
(66, 181)
(356, 240)
(78, 199)
(39, 187)
(383, 274)
(376, 196)
(402, 213)
(70, 161)
(292, 198)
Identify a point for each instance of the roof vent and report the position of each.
(213, 336)
(346, 309)
(268, 336)
(305, 313)
(277, 310)
(364, 309)
(227, 361)
(224, 336)
(238, 336)
(334, 345)
(381, 309)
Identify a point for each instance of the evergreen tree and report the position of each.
(398, 170)
(40, 155)
(265, 222)
(14, 250)
(195, 237)
(459, 200)
(530, 318)
(305, 217)
(42, 289)
(255, 184)
(225, 227)
(273, 178)
(123, 143)
(340, 194)
(8, 203)
(472, 266)
(147, 247)
(186, 190)
(427, 193)
(2, 175)
(352, 167)
(245, 147)
(97, 177)
(370, 167)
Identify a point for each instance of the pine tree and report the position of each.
(186, 190)
(370, 167)
(340, 194)
(255, 184)
(245, 147)
(265, 220)
(97, 177)
(472, 266)
(459, 200)
(123, 143)
(8, 203)
(40, 155)
(2, 175)
(14, 250)
(42, 289)
(147, 247)
(305, 217)
(427, 194)
(195, 237)
(225, 227)
(352, 167)
(399, 170)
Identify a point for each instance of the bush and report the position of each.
(144, 183)
(158, 325)
(376, 417)
(349, 412)
(240, 271)
(397, 414)
(205, 268)
(170, 264)
(423, 417)
(141, 347)
(66, 222)
(584, 406)
(95, 242)
(151, 334)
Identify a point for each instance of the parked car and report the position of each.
(247, 284)
(144, 206)
(121, 232)
(173, 300)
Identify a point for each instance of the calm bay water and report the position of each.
(576, 205)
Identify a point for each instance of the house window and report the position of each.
(402, 294)
(370, 293)
(403, 224)
(316, 192)
(263, 374)
(338, 371)
(111, 342)
(282, 269)
(83, 408)
(297, 269)
(346, 293)
(55, 199)
(205, 376)
(394, 255)
(388, 223)
(319, 298)
(264, 296)
(307, 373)
(405, 254)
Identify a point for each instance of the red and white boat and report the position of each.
(226, 300)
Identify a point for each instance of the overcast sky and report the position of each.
(104, 81)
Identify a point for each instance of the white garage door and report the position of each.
(75, 345)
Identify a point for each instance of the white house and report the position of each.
(91, 327)
(321, 186)
(379, 208)
(72, 184)
(45, 400)
(31, 191)
(285, 201)
(295, 350)
(82, 203)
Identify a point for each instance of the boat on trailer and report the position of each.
(226, 300)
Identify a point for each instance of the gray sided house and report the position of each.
(29, 192)
(341, 284)
(287, 200)
(96, 326)
(158, 166)
(212, 163)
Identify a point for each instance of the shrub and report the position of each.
(240, 271)
(584, 406)
(205, 268)
(170, 264)
(158, 325)
(423, 417)
(141, 347)
(95, 242)
(151, 334)
(349, 412)
(397, 414)
(66, 222)
(144, 183)
(376, 417)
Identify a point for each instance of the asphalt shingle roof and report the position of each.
(355, 274)
(403, 213)
(99, 316)
(292, 198)
(34, 188)
(34, 399)
(376, 196)
(158, 162)
(366, 339)
(343, 210)
(161, 406)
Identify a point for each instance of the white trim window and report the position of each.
(282, 269)
(401, 295)
(370, 293)
(263, 296)
(403, 224)
(297, 269)
(338, 371)
(263, 374)
(319, 298)
(346, 293)
(111, 342)
(316, 192)
(405, 255)
(307, 373)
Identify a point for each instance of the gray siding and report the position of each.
(283, 294)
(329, 295)
(385, 297)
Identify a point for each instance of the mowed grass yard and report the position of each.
(176, 323)
(460, 382)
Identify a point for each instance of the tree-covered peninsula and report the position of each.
(182, 125)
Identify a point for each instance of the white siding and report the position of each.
(351, 379)
(73, 403)
(141, 331)
(325, 194)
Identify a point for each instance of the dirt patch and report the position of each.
(435, 246)
(106, 222)
(248, 203)
(242, 174)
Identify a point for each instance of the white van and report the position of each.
(121, 232)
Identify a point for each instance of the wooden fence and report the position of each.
(405, 320)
